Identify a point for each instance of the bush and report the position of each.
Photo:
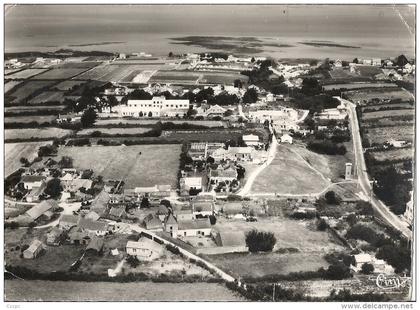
(173, 249)
(11, 225)
(212, 219)
(322, 225)
(337, 272)
(331, 198)
(398, 257)
(327, 147)
(133, 261)
(367, 268)
(260, 241)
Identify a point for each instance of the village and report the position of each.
(166, 176)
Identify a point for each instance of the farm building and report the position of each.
(184, 214)
(251, 140)
(155, 107)
(34, 249)
(117, 213)
(42, 208)
(223, 174)
(93, 227)
(286, 138)
(95, 245)
(202, 208)
(191, 228)
(144, 249)
(78, 237)
(339, 113)
(55, 236)
(32, 181)
(162, 212)
(92, 215)
(171, 225)
(152, 222)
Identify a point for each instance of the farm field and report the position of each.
(388, 121)
(48, 96)
(368, 71)
(383, 134)
(388, 113)
(10, 85)
(211, 135)
(382, 94)
(40, 133)
(289, 174)
(29, 88)
(67, 85)
(150, 122)
(16, 290)
(178, 77)
(109, 73)
(28, 119)
(59, 74)
(157, 164)
(221, 78)
(396, 106)
(24, 109)
(358, 85)
(14, 151)
(25, 74)
(339, 73)
(79, 64)
(309, 246)
(113, 131)
(394, 154)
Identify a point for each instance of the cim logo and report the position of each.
(391, 282)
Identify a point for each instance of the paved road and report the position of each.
(383, 211)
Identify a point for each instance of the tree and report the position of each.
(47, 150)
(250, 96)
(311, 87)
(88, 118)
(212, 220)
(260, 241)
(139, 94)
(252, 59)
(66, 162)
(322, 225)
(237, 83)
(53, 188)
(228, 113)
(398, 257)
(133, 261)
(331, 198)
(338, 272)
(150, 114)
(24, 161)
(241, 172)
(367, 268)
(112, 102)
(170, 55)
(145, 203)
(356, 61)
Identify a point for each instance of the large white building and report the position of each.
(155, 107)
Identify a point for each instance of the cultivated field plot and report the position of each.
(38, 290)
(289, 174)
(383, 134)
(151, 122)
(367, 116)
(358, 85)
(48, 96)
(341, 74)
(368, 71)
(222, 78)
(25, 109)
(25, 74)
(8, 86)
(14, 151)
(29, 88)
(210, 135)
(67, 85)
(176, 77)
(394, 154)
(388, 121)
(35, 133)
(381, 94)
(309, 246)
(59, 74)
(10, 71)
(28, 119)
(81, 64)
(113, 131)
(394, 106)
(157, 164)
(109, 73)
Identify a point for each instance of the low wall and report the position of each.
(221, 250)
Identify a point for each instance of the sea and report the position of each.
(377, 30)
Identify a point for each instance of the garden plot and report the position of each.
(25, 74)
(33, 109)
(358, 85)
(381, 94)
(28, 89)
(48, 96)
(151, 122)
(367, 116)
(28, 119)
(176, 77)
(10, 85)
(394, 154)
(59, 74)
(113, 131)
(35, 133)
(383, 134)
(223, 78)
(67, 85)
(14, 151)
(138, 165)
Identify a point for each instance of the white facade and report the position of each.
(155, 107)
(286, 139)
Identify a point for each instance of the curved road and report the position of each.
(382, 210)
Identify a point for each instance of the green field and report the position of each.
(28, 88)
(157, 164)
(8, 86)
(25, 74)
(16, 290)
(113, 131)
(59, 74)
(110, 73)
(48, 96)
(289, 174)
(14, 151)
(67, 85)
(383, 134)
(28, 119)
(40, 133)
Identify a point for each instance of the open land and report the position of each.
(384, 134)
(289, 174)
(16, 290)
(25, 74)
(29, 88)
(59, 74)
(367, 95)
(14, 151)
(38, 133)
(157, 164)
(67, 85)
(8, 86)
(28, 119)
(357, 85)
(151, 122)
(113, 131)
(109, 73)
(48, 96)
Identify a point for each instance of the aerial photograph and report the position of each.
(209, 153)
